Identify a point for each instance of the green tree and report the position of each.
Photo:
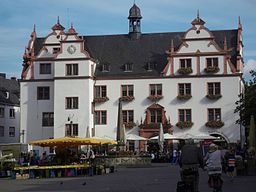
(246, 105)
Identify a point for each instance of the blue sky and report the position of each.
(99, 17)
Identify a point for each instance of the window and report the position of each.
(105, 67)
(128, 67)
(11, 131)
(71, 129)
(184, 89)
(212, 62)
(155, 116)
(71, 69)
(47, 119)
(1, 112)
(100, 91)
(43, 93)
(127, 90)
(185, 63)
(150, 66)
(71, 102)
(12, 113)
(214, 114)
(56, 50)
(127, 116)
(155, 89)
(1, 131)
(45, 68)
(100, 117)
(185, 115)
(213, 88)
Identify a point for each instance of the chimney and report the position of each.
(13, 78)
(2, 75)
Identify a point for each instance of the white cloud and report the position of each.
(250, 65)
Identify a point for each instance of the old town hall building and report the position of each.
(188, 81)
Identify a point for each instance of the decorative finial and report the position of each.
(58, 20)
(198, 15)
(239, 23)
(172, 46)
(71, 25)
(34, 28)
(225, 43)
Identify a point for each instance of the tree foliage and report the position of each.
(246, 104)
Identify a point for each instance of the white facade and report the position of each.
(197, 46)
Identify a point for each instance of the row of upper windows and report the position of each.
(184, 115)
(213, 88)
(11, 131)
(100, 118)
(72, 69)
(11, 113)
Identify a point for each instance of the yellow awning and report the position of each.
(71, 141)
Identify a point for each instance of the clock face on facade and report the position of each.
(71, 49)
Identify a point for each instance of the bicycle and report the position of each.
(215, 182)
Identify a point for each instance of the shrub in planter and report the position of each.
(212, 69)
(184, 97)
(100, 99)
(185, 71)
(129, 124)
(213, 97)
(214, 124)
(127, 98)
(155, 97)
(184, 124)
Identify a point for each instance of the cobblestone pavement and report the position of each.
(157, 178)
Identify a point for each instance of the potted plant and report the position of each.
(214, 124)
(184, 97)
(129, 124)
(184, 124)
(155, 97)
(212, 69)
(213, 96)
(100, 99)
(185, 71)
(127, 98)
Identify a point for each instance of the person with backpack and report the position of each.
(190, 160)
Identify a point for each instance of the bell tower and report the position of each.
(134, 22)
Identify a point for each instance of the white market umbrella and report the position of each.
(203, 137)
(133, 137)
(161, 138)
(167, 136)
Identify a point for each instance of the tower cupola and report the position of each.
(134, 22)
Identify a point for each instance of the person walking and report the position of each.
(213, 161)
(174, 156)
(231, 163)
(190, 160)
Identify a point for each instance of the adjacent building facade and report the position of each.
(9, 110)
(188, 81)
